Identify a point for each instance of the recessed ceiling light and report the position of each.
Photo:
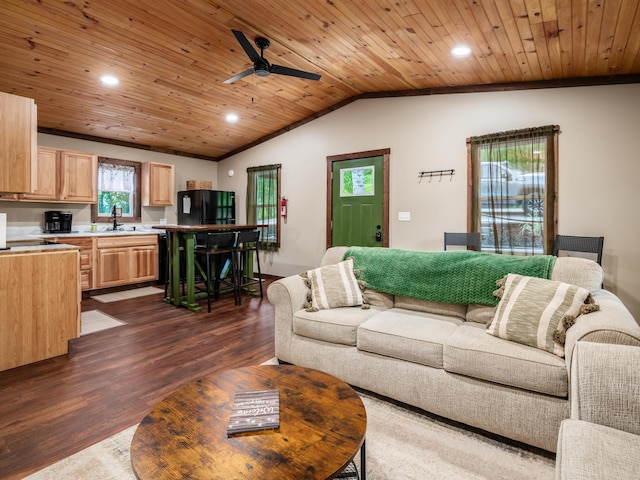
(232, 117)
(109, 80)
(461, 51)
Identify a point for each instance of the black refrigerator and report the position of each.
(206, 207)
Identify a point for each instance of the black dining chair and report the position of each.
(247, 243)
(472, 240)
(218, 253)
(569, 243)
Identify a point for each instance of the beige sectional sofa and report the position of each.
(602, 437)
(438, 357)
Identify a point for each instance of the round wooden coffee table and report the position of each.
(322, 426)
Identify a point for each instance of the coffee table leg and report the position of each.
(363, 461)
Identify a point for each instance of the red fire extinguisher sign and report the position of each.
(283, 207)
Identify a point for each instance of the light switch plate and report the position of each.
(404, 216)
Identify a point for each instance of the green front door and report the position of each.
(357, 202)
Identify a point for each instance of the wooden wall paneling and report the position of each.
(172, 60)
(593, 27)
(513, 35)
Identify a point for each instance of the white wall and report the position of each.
(599, 169)
(29, 214)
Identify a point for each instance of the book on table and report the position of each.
(254, 410)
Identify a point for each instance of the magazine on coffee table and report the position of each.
(255, 410)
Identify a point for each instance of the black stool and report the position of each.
(247, 243)
(219, 248)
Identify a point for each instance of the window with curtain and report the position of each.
(263, 203)
(512, 191)
(119, 186)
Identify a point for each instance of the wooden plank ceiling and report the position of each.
(172, 57)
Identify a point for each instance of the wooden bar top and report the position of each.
(205, 228)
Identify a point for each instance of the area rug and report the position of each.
(400, 444)
(127, 294)
(93, 321)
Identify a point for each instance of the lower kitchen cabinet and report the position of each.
(39, 304)
(122, 260)
(86, 258)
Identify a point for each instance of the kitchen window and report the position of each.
(119, 186)
(513, 194)
(263, 203)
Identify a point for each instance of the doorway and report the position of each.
(358, 199)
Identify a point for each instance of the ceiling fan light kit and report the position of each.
(261, 66)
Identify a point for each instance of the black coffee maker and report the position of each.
(57, 222)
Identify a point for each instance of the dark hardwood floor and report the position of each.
(111, 379)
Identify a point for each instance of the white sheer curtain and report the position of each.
(116, 178)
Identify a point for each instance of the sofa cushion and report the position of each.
(480, 314)
(378, 299)
(334, 326)
(588, 451)
(334, 286)
(454, 309)
(582, 272)
(407, 335)
(536, 312)
(470, 351)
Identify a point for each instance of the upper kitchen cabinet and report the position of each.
(65, 176)
(158, 181)
(79, 177)
(47, 176)
(18, 143)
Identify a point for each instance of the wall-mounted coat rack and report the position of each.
(437, 173)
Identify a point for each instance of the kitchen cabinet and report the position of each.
(47, 177)
(65, 176)
(122, 260)
(86, 258)
(79, 177)
(39, 303)
(18, 143)
(158, 184)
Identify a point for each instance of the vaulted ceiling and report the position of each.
(172, 57)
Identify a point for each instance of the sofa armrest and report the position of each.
(605, 386)
(287, 295)
(613, 323)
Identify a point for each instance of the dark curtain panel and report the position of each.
(513, 189)
(263, 202)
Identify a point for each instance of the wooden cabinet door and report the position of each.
(47, 176)
(113, 267)
(158, 181)
(79, 177)
(144, 263)
(18, 144)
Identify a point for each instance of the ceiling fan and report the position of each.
(261, 66)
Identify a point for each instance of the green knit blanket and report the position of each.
(458, 276)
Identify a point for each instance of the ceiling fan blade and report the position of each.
(248, 71)
(292, 72)
(246, 46)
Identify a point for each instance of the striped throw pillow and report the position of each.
(334, 286)
(537, 312)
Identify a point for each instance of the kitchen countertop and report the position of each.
(53, 247)
(105, 233)
(18, 234)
